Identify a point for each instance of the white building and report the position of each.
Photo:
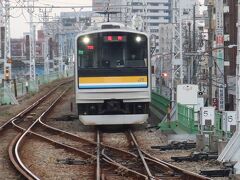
(154, 13)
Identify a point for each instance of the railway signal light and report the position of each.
(7, 73)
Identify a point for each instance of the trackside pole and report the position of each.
(231, 153)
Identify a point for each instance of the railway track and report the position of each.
(27, 119)
(98, 158)
(138, 163)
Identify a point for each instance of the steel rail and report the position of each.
(166, 169)
(14, 160)
(17, 160)
(188, 175)
(125, 169)
(85, 140)
(20, 139)
(141, 156)
(56, 143)
(98, 170)
(29, 108)
(163, 166)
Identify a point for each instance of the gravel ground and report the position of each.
(7, 171)
(47, 165)
(65, 118)
(8, 111)
(152, 138)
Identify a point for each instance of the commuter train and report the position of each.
(112, 75)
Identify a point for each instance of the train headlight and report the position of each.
(138, 38)
(86, 40)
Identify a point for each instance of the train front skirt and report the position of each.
(113, 119)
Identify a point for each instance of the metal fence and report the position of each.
(184, 115)
(23, 85)
(185, 118)
(159, 102)
(218, 125)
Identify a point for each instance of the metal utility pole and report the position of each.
(1, 30)
(190, 59)
(220, 53)
(177, 57)
(45, 13)
(144, 5)
(32, 40)
(238, 71)
(60, 50)
(231, 152)
(194, 63)
(210, 59)
(7, 56)
(7, 46)
(194, 27)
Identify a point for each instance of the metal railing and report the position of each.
(185, 118)
(159, 102)
(180, 115)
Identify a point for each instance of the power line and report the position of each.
(65, 7)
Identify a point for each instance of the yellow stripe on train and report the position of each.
(113, 79)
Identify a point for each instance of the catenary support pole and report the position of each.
(238, 71)
(210, 59)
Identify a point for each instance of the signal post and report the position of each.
(7, 57)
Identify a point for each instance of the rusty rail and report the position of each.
(98, 169)
(17, 142)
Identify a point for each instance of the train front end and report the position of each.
(112, 77)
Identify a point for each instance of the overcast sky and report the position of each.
(20, 17)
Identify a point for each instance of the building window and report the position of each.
(136, 4)
(153, 11)
(153, 17)
(153, 24)
(154, 30)
(166, 4)
(153, 4)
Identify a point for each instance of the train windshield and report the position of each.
(109, 50)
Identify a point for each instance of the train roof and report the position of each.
(109, 26)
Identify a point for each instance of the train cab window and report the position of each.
(110, 50)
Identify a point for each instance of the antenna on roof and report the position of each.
(108, 12)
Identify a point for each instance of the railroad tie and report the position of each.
(33, 114)
(29, 117)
